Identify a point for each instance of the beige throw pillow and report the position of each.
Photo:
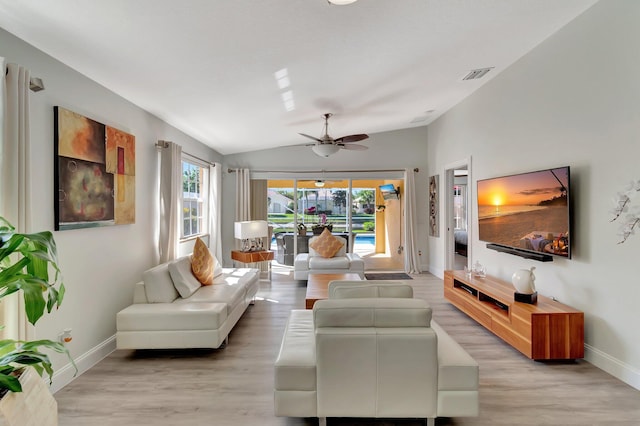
(326, 245)
(202, 263)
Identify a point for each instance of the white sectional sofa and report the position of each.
(357, 354)
(171, 309)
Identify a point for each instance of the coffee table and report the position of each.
(318, 285)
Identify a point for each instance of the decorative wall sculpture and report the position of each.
(434, 227)
(94, 173)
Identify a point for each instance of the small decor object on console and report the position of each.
(251, 232)
(622, 205)
(524, 282)
(479, 270)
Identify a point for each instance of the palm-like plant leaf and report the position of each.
(25, 263)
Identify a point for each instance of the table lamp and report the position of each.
(251, 232)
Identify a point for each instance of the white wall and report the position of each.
(399, 149)
(99, 265)
(574, 100)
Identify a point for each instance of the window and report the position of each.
(195, 197)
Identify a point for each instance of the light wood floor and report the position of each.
(234, 386)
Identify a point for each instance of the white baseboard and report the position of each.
(65, 375)
(613, 366)
(438, 272)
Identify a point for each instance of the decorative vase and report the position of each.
(523, 281)
(34, 406)
(479, 270)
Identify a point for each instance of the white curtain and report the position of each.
(243, 195)
(215, 212)
(15, 176)
(170, 200)
(411, 258)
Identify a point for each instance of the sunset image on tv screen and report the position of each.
(528, 211)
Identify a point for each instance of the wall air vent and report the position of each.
(476, 74)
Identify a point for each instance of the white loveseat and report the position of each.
(360, 355)
(172, 310)
(313, 263)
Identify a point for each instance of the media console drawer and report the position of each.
(544, 331)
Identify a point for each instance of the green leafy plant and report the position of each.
(369, 226)
(25, 260)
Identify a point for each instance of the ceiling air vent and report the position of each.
(476, 74)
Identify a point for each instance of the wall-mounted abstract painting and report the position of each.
(95, 169)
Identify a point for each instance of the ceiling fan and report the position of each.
(326, 145)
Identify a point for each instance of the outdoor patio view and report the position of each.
(315, 208)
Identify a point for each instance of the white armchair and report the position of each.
(315, 263)
(372, 351)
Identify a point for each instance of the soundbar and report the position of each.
(542, 257)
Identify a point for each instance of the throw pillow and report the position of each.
(158, 285)
(326, 245)
(183, 279)
(202, 263)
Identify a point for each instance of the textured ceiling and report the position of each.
(209, 67)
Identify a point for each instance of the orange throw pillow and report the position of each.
(202, 263)
(326, 244)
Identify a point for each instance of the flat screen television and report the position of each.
(528, 213)
(390, 192)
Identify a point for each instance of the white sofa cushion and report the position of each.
(158, 285)
(171, 316)
(295, 368)
(319, 262)
(371, 312)
(183, 279)
(232, 295)
(345, 289)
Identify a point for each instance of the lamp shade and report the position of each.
(250, 229)
(325, 149)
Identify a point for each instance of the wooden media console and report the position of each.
(544, 331)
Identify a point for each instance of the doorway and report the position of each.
(354, 208)
(458, 217)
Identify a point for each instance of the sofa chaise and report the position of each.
(357, 354)
(171, 309)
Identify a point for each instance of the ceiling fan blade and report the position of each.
(311, 137)
(352, 138)
(354, 147)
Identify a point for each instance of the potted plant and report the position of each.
(25, 260)
(319, 227)
(302, 229)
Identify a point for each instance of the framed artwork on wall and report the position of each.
(434, 227)
(94, 173)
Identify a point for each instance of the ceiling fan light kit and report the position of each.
(326, 149)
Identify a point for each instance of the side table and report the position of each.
(254, 257)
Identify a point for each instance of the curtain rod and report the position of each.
(416, 170)
(165, 144)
